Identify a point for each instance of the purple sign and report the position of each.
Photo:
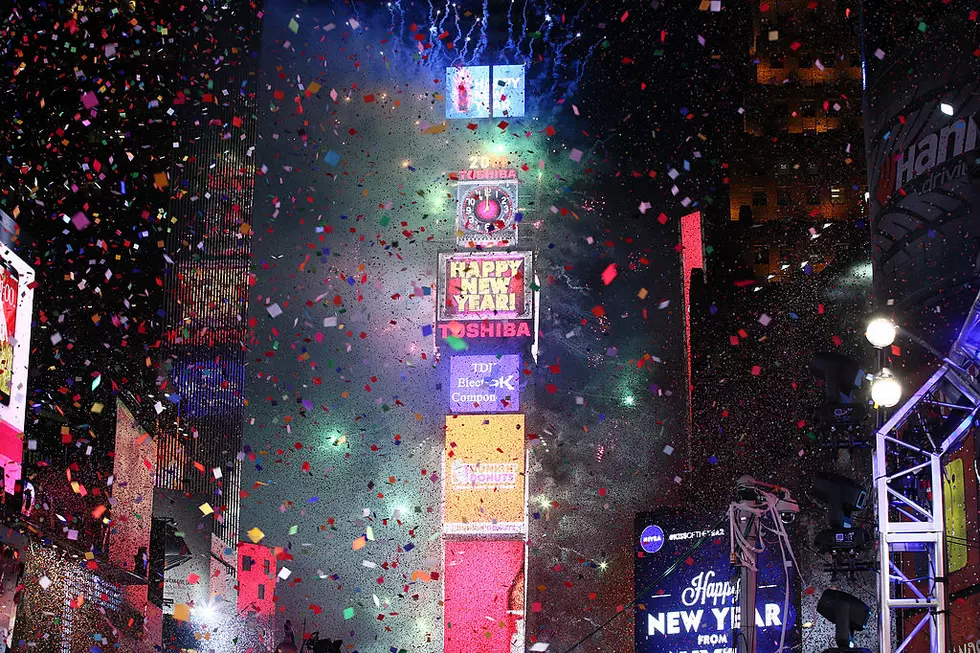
(485, 384)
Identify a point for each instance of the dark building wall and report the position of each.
(923, 176)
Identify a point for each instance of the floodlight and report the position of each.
(848, 613)
(840, 374)
(881, 332)
(886, 390)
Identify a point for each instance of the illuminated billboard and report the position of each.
(484, 286)
(486, 213)
(17, 288)
(472, 94)
(485, 384)
(484, 487)
(695, 606)
(508, 91)
(484, 596)
(132, 493)
(468, 92)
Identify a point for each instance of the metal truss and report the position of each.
(909, 494)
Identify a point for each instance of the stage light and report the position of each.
(831, 540)
(880, 332)
(840, 374)
(946, 108)
(842, 496)
(847, 612)
(629, 400)
(886, 390)
(205, 612)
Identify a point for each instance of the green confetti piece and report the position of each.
(293, 25)
(457, 344)
(348, 613)
(293, 529)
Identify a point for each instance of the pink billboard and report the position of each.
(484, 596)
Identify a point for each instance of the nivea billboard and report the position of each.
(694, 608)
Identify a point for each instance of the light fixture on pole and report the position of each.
(886, 390)
(881, 332)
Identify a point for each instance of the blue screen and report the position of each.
(508, 91)
(468, 92)
(694, 609)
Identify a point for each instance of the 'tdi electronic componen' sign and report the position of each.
(485, 384)
(694, 609)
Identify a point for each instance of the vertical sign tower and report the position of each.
(485, 310)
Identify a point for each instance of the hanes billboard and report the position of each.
(484, 596)
(484, 488)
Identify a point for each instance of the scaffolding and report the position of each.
(908, 474)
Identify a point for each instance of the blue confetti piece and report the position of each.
(331, 158)
(713, 460)
(313, 499)
(426, 330)
(409, 546)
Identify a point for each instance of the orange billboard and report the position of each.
(484, 490)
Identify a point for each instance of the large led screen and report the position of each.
(17, 288)
(484, 286)
(695, 607)
(468, 92)
(485, 384)
(484, 600)
(508, 91)
(484, 479)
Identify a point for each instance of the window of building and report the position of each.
(808, 108)
(776, 62)
(247, 562)
(760, 198)
(761, 255)
(812, 195)
(783, 168)
(261, 589)
(836, 196)
(782, 196)
(265, 567)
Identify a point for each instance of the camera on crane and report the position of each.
(752, 490)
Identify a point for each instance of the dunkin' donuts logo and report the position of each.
(484, 476)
